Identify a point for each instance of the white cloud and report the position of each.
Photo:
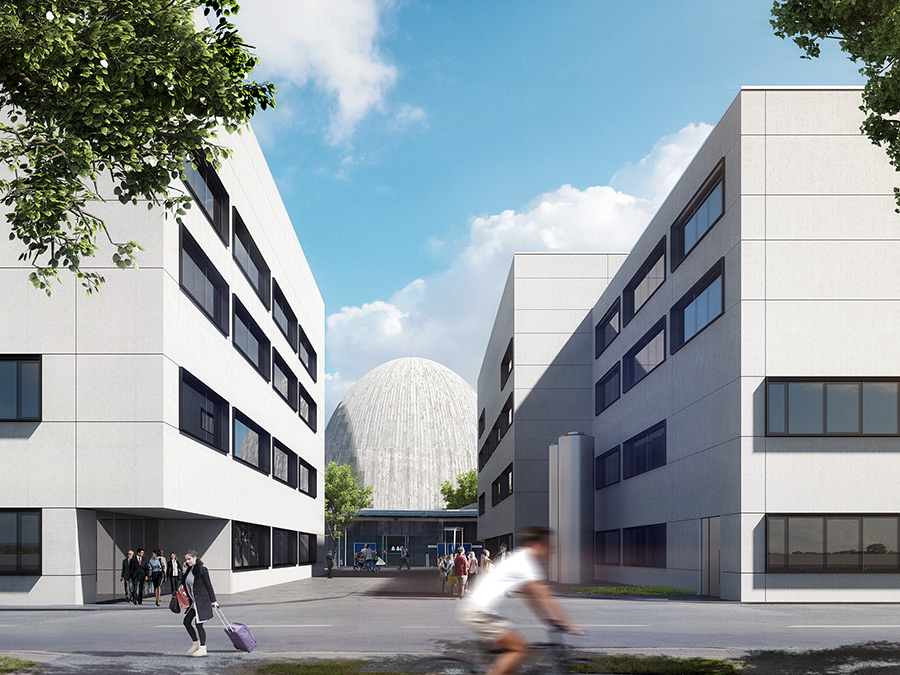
(330, 44)
(448, 317)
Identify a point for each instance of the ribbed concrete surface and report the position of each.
(406, 426)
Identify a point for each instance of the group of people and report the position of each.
(192, 575)
(368, 560)
(461, 570)
(142, 574)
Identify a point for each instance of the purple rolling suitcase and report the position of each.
(238, 633)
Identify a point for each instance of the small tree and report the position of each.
(344, 497)
(869, 33)
(465, 492)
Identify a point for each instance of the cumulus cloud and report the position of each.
(448, 317)
(332, 45)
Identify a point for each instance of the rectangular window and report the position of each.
(607, 329)
(505, 419)
(644, 283)
(308, 355)
(250, 260)
(645, 356)
(284, 464)
(644, 546)
(481, 506)
(202, 413)
(308, 479)
(284, 547)
(203, 283)
(249, 546)
(606, 390)
(308, 409)
(700, 214)
(699, 307)
(837, 407)
(209, 193)
(250, 340)
(307, 548)
(20, 543)
(606, 469)
(251, 443)
(645, 451)
(284, 381)
(841, 543)
(20, 388)
(506, 365)
(481, 423)
(502, 487)
(606, 548)
(284, 316)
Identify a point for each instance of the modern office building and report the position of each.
(745, 404)
(178, 408)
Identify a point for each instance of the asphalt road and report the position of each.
(379, 616)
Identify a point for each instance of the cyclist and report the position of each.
(521, 571)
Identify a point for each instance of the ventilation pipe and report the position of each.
(572, 508)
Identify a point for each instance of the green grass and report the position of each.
(10, 664)
(329, 668)
(632, 590)
(665, 665)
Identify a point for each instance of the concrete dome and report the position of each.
(405, 427)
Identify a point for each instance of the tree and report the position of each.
(465, 492)
(869, 32)
(110, 90)
(344, 497)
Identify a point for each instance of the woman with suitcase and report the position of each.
(203, 599)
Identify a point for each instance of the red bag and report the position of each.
(183, 600)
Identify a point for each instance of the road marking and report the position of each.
(279, 625)
(881, 625)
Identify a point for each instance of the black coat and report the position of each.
(204, 595)
(126, 569)
(139, 571)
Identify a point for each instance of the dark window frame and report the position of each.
(313, 421)
(601, 346)
(239, 231)
(264, 454)
(19, 360)
(293, 383)
(628, 365)
(648, 553)
(20, 570)
(223, 411)
(600, 402)
(304, 343)
(293, 468)
(506, 365)
(628, 309)
(629, 446)
(312, 546)
(221, 200)
(481, 505)
(715, 177)
(189, 245)
(481, 424)
(265, 346)
(676, 316)
(313, 478)
(600, 547)
(601, 480)
(267, 550)
(502, 486)
(292, 542)
(280, 301)
(826, 381)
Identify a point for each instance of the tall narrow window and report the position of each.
(481, 423)
(502, 487)
(20, 542)
(203, 414)
(308, 479)
(283, 380)
(607, 329)
(606, 469)
(606, 390)
(308, 355)
(699, 307)
(250, 340)
(700, 214)
(308, 548)
(284, 464)
(645, 451)
(202, 282)
(645, 356)
(284, 316)
(606, 547)
(250, 260)
(506, 365)
(20, 388)
(209, 193)
(251, 443)
(308, 409)
(284, 547)
(644, 283)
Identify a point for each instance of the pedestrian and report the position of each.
(404, 558)
(472, 566)
(329, 562)
(139, 574)
(174, 572)
(369, 557)
(452, 579)
(165, 567)
(155, 567)
(125, 576)
(359, 560)
(486, 563)
(203, 599)
(462, 570)
(442, 571)
(504, 552)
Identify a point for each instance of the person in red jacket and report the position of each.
(461, 567)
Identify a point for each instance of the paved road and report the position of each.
(399, 612)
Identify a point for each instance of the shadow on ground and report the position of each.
(870, 658)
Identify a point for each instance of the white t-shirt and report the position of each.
(516, 570)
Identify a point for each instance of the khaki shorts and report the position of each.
(486, 626)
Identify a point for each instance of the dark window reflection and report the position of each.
(879, 544)
(777, 557)
(805, 413)
(806, 544)
(842, 536)
(879, 407)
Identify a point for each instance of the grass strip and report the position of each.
(665, 665)
(327, 668)
(11, 664)
(632, 590)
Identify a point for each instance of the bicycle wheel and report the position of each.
(444, 666)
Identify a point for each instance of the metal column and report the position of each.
(571, 508)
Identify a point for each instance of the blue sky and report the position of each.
(418, 144)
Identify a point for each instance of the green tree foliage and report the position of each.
(110, 90)
(344, 497)
(465, 492)
(869, 32)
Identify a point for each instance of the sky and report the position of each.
(417, 145)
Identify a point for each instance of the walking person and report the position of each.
(125, 576)
(404, 558)
(139, 574)
(174, 572)
(442, 572)
(165, 567)
(370, 558)
(472, 566)
(486, 563)
(329, 563)
(461, 569)
(155, 567)
(504, 553)
(203, 599)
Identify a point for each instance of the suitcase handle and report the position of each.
(219, 613)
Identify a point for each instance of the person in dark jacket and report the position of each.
(203, 599)
(125, 577)
(140, 572)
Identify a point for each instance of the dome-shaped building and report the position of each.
(405, 427)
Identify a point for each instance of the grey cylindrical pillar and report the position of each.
(575, 508)
(553, 493)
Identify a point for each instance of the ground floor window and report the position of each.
(307, 548)
(606, 547)
(20, 542)
(644, 546)
(250, 546)
(284, 547)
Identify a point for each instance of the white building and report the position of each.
(745, 373)
(179, 408)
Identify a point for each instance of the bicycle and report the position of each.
(545, 658)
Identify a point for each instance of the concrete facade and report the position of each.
(108, 466)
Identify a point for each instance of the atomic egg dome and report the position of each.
(405, 427)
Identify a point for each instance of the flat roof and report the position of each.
(805, 87)
(425, 513)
